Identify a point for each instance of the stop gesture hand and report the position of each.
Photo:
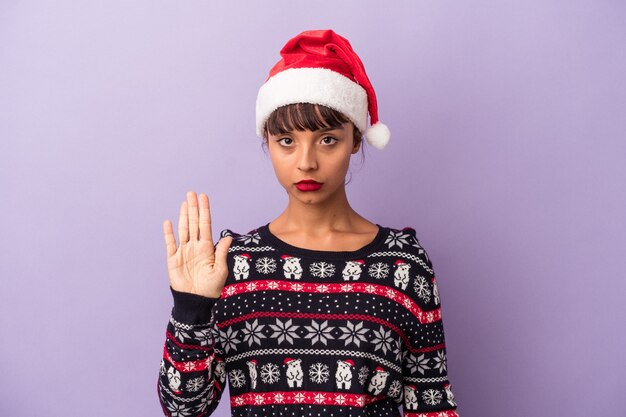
(196, 266)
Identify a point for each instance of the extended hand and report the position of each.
(196, 266)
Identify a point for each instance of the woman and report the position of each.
(320, 311)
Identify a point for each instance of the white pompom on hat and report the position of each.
(320, 67)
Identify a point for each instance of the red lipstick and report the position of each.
(308, 185)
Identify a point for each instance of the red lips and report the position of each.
(308, 185)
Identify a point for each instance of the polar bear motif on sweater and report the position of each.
(220, 370)
(252, 370)
(449, 395)
(352, 270)
(294, 372)
(241, 269)
(401, 274)
(163, 369)
(410, 397)
(435, 291)
(173, 378)
(343, 375)
(378, 381)
(291, 267)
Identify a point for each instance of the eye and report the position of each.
(332, 138)
(285, 138)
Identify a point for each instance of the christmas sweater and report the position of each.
(300, 332)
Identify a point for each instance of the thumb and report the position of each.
(221, 249)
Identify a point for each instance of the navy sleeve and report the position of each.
(192, 374)
(427, 389)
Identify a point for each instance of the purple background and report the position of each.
(507, 155)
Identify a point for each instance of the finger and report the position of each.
(192, 208)
(170, 240)
(183, 224)
(210, 234)
(205, 219)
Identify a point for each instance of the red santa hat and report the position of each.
(399, 262)
(320, 67)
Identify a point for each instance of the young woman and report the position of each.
(319, 312)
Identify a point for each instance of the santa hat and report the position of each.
(320, 67)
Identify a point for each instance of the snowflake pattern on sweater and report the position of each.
(300, 332)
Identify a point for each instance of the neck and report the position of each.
(314, 219)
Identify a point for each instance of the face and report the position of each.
(321, 155)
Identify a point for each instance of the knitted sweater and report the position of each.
(302, 332)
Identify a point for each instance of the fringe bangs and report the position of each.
(303, 116)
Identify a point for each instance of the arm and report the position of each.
(192, 376)
(192, 372)
(427, 389)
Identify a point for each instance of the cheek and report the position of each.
(281, 168)
(340, 163)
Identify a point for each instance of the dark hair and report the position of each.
(303, 116)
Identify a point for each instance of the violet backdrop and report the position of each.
(507, 156)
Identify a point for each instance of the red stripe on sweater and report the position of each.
(307, 287)
(304, 397)
(189, 366)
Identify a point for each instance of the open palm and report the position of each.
(196, 266)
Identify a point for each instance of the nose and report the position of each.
(307, 160)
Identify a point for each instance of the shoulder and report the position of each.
(405, 239)
(250, 238)
(402, 238)
(228, 232)
(406, 246)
